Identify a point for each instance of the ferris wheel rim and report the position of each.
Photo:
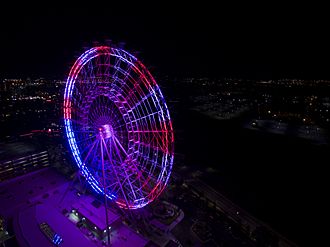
(70, 132)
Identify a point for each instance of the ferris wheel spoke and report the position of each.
(137, 170)
(140, 169)
(142, 179)
(119, 68)
(109, 148)
(147, 159)
(96, 63)
(148, 131)
(112, 112)
(132, 90)
(84, 140)
(119, 144)
(116, 150)
(148, 116)
(114, 186)
(126, 175)
(79, 122)
(87, 77)
(86, 132)
(115, 127)
(89, 152)
(115, 172)
(107, 65)
(116, 66)
(137, 104)
(111, 162)
(86, 147)
(95, 160)
(91, 73)
(77, 93)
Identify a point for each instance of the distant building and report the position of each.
(19, 166)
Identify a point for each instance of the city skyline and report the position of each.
(276, 135)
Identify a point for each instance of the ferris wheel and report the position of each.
(118, 127)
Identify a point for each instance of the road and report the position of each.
(247, 222)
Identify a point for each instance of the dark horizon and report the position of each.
(178, 41)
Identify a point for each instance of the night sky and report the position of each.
(186, 40)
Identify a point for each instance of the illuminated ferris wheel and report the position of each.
(118, 126)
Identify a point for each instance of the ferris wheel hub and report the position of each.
(106, 131)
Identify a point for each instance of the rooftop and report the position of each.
(95, 214)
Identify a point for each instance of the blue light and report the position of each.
(57, 239)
